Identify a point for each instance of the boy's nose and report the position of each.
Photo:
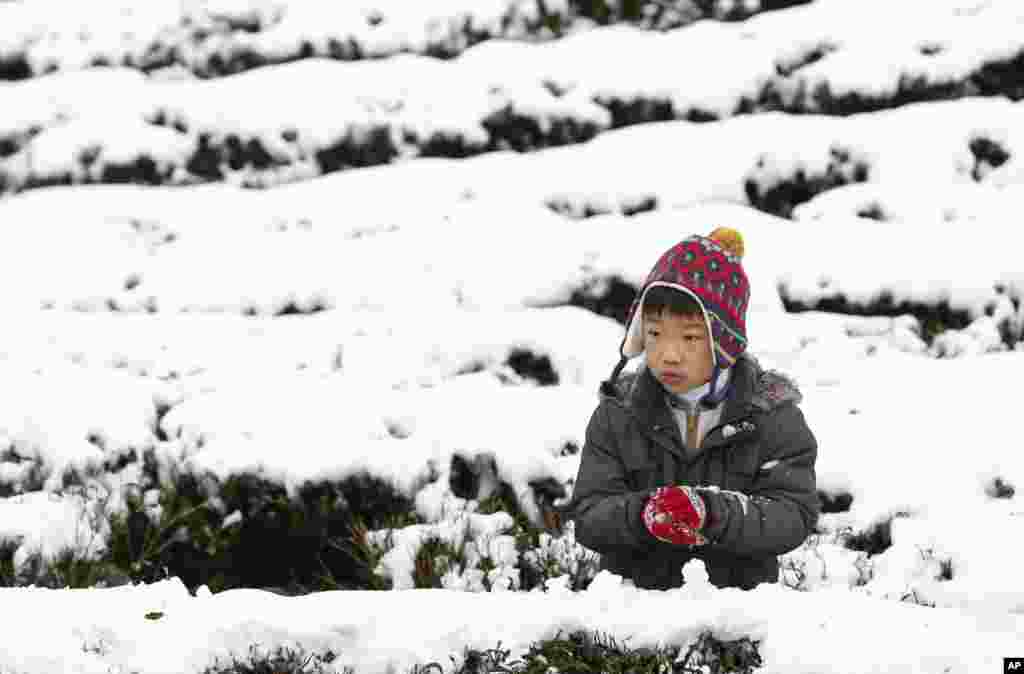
(673, 354)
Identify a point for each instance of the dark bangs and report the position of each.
(677, 302)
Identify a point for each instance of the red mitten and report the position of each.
(676, 515)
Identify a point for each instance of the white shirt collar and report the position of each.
(692, 397)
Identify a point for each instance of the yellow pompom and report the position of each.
(730, 239)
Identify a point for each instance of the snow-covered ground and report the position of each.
(91, 631)
(96, 124)
(369, 321)
(209, 36)
(327, 251)
(392, 384)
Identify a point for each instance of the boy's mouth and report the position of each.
(672, 378)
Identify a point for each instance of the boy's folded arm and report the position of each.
(782, 507)
(606, 512)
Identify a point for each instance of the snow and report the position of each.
(476, 536)
(402, 379)
(47, 524)
(365, 322)
(875, 59)
(862, 58)
(68, 426)
(151, 248)
(50, 36)
(206, 366)
(396, 107)
(372, 629)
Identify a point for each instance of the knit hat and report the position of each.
(709, 269)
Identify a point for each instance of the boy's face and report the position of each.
(678, 350)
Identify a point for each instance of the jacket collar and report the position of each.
(646, 398)
(752, 389)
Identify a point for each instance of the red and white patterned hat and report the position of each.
(710, 269)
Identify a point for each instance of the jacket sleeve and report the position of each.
(782, 507)
(606, 512)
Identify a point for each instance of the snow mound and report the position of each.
(54, 420)
(214, 38)
(499, 95)
(371, 630)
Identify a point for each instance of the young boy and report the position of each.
(704, 454)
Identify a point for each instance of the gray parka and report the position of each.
(756, 468)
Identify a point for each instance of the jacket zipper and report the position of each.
(654, 432)
(692, 423)
(686, 464)
(717, 448)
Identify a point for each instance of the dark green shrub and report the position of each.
(434, 559)
(283, 660)
(244, 532)
(934, 319)
(999, 487)
(69, 569)
(583, 652)
(609, 297)
(7, 575)
(777, 194)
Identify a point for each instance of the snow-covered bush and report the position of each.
(777, 184)
(484, 544)
(172, 39)
(172, 523)
(281, 659)
(158, 131)
(910, 573)
(176, 39)
(466, 551)
(588, 651)
(982, 336)
(824, 562)
(665, 14)
(55, 539)
(561, 557)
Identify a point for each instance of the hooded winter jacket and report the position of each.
(754, 469)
